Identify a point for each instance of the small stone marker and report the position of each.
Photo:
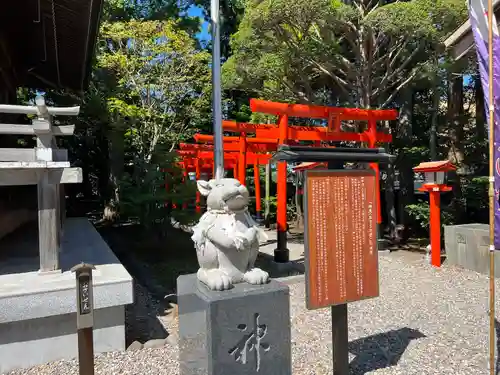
(244, 330)
(85, 317)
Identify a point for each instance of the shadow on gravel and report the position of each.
(142, 317)
(290, 238)
(275, 270)
(382, 350)
(154, 261)
(157, 262)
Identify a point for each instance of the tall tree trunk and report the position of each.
(455, 118)
(365, 58)
(116, 159)
(389, 201)
(102, 166)
(480, 108)
(435, 111)
(481, 167)
(456, 152)
(404, 161)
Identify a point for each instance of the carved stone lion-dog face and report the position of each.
(224, 194)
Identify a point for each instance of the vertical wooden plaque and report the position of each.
(340, 237)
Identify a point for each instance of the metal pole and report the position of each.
(491, 190)
(216, 89)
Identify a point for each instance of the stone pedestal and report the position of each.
(467, 246)
(244, 331)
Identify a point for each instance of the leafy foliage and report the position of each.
(162, 82)
(159, 98)
(420, 213)
(368, 54)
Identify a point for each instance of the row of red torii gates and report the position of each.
(241, 150)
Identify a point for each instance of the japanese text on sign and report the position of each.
(340, 237)
(84, 291)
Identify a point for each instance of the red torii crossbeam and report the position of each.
(320, 112)
(333, 132)
(232, 146)
(244, 144)
(302, 133)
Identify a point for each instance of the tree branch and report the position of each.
(388, 77)
(400, 87)
(339, 81)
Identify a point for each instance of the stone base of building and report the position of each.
(38, 310)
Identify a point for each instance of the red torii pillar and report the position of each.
(184, 179)
(242, 162)
(256, 178)
(187, 162)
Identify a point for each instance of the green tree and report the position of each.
(361, 53)
(158, 93)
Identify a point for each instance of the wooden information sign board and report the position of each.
(340, 237)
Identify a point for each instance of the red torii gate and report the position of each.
(194, 159)
(187, 164)
(191, 163)
(231, 147)
(198, 153)
(245, 144)
(333, 132)
(269, 144)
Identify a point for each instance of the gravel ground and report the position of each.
(425, 321)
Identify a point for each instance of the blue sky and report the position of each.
(195, 11)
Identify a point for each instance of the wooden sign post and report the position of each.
(341, 253)
(85, 317)
(340, 247)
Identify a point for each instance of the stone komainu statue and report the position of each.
(226, 237)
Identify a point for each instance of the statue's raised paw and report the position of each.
(256, 276)
(215, 279)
